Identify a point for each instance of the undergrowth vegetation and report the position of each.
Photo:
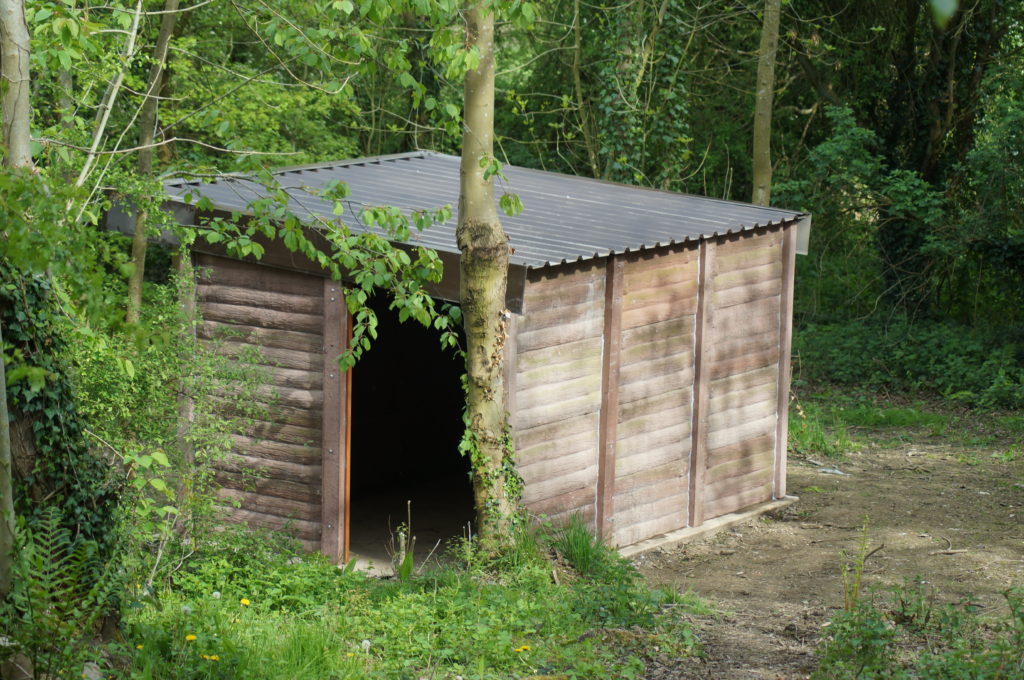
(903, 634)
(958, 363)
(243, 605)
(831, 423)
(243, 608)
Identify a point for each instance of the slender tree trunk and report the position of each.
(581, 103)
(763, 106)
(484, 268)
(15, 107)
(109, 97)
(6, 485)
(147, 127)
(14, 46)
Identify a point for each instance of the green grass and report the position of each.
(877, 417)
(813, 432)
(1013, 424)
(829, 424)
(311, 620)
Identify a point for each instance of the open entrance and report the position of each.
(406, 424)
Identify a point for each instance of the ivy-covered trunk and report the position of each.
(484, 267)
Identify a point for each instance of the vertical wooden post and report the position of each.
(334, 454)
(510, 362)
(703, 355)
(609, 419)
(346, 434)
(785, 355)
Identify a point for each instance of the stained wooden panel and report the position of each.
(250, 297)
(655, 395)
(285, 433)
(261, 317)
(269, 356)
(223, 271)
(745, 291)
(272, 506)
(263, 337)
(291, 471)
(273, 413)
(301, 529)
(558, 391)
(275, 318)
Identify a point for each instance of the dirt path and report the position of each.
(952, 517)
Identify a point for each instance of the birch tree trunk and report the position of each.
(763, 105)
(147, 126)
(14, 46)
(14, 62)
(484, 268)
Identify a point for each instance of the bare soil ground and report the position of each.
(950, 515)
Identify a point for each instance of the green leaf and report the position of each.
(161, 457)
(511, 204)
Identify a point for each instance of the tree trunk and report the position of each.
(15, 51)
(6, 486)
(484, 267)
(763, 106)
(581, 103)
(147, 126)
(14, 46)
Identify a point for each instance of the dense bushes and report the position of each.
(942, 358)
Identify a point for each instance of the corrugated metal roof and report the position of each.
(565, 218)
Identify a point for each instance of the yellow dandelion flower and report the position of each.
(351, 654)
(139, 646)
(524, 648)
(190, 638)
(205, 656)
(244, 602)
(214, 657)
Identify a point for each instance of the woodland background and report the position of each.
(899, 125)
(902, 137)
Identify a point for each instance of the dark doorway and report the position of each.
(406, 422)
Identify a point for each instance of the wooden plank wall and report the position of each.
(557, 396)
(272, 478)
(655, 393)
(742, 353)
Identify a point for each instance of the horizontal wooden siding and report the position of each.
(273, 319)
(655, 394)
(745, 287)
(557, 393)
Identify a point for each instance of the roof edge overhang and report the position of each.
(801, 222)
(121, 218)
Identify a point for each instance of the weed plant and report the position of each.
(813, 433)
(905, 635)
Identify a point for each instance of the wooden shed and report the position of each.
(647, 364)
